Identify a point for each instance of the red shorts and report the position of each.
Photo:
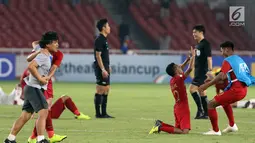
(231, 96)
(49, 92)
(182, 118)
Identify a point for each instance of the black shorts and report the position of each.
(99, 77)
(34, 100)
(199, 80)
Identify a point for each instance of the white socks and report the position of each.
(40, 138)
(11, 137)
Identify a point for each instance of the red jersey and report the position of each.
(226, 67)
(57, 58)
(179, 90)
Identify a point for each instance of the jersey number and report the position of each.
(176, 95)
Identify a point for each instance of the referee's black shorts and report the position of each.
(100, 80)
(199, 80)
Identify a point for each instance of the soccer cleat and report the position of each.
(230, 129)
(154, 130)
(82, 117)
(98, 116)
(199, 115)
(56, 138)
(106, 116)
(8, 141)
(30, 140)
(158, 123)
(212, 133)
(43, 141)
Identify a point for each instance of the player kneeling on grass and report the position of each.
(181, 107)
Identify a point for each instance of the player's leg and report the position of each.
(232, 126)
(17, 126)
(49, 125)
(65, 101)
(168, 129)
(212, 113)
(195, 94)
(104, 103)
(97, 99)
(204, 101)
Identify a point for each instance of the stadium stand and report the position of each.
(23, 21)
(181, 20)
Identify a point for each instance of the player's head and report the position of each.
(103, 26)
(198, 32)
(227, 48)
(49, 40)
(173, 69)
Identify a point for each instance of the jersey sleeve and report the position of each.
(208, 51)
(99, 44)
(58, 60)
(41, 59)
(225, 67)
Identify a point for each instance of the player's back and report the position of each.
(178, 89)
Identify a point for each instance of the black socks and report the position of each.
(104, 104)
(204, 103)
(198, 101)
(97, 101)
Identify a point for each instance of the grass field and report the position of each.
(135, 106)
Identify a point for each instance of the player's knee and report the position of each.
(211, 104)
(64, 98)
(43, 113)
(192, 89)
(100, 89)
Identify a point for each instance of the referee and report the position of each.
(203, 65)
(102, 69)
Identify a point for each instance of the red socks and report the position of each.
(167, 128)
(71, 106)
(57, 109)
(214, 119)
(228, 110)
(49, 126)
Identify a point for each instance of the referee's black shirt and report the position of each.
(101, 45)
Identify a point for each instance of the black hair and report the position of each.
(227, 44)
(101, 23)
(199, 28)
(170, 69)
(48, 38)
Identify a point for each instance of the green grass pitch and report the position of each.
(135, 106)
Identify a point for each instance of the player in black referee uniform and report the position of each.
(102, 69)
(203, 66)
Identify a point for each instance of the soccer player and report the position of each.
(36, 83)
(203, 65)
(181, 107)
(102, 69)
(60, 104)
(14, 98)
(237, 72)
(222, 84)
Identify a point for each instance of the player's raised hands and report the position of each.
(192, 51)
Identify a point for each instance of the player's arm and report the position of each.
(209, 61)
(35, 53)
(32, 55)
(32, 67)
(219, 77)
(100, 61)
(191, 63)
(208, 53)
(56, 64)
(35, 43)
(183, 65)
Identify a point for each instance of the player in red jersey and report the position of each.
(237, 72)
(181, 107)
(56, 109)
(222, 84)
